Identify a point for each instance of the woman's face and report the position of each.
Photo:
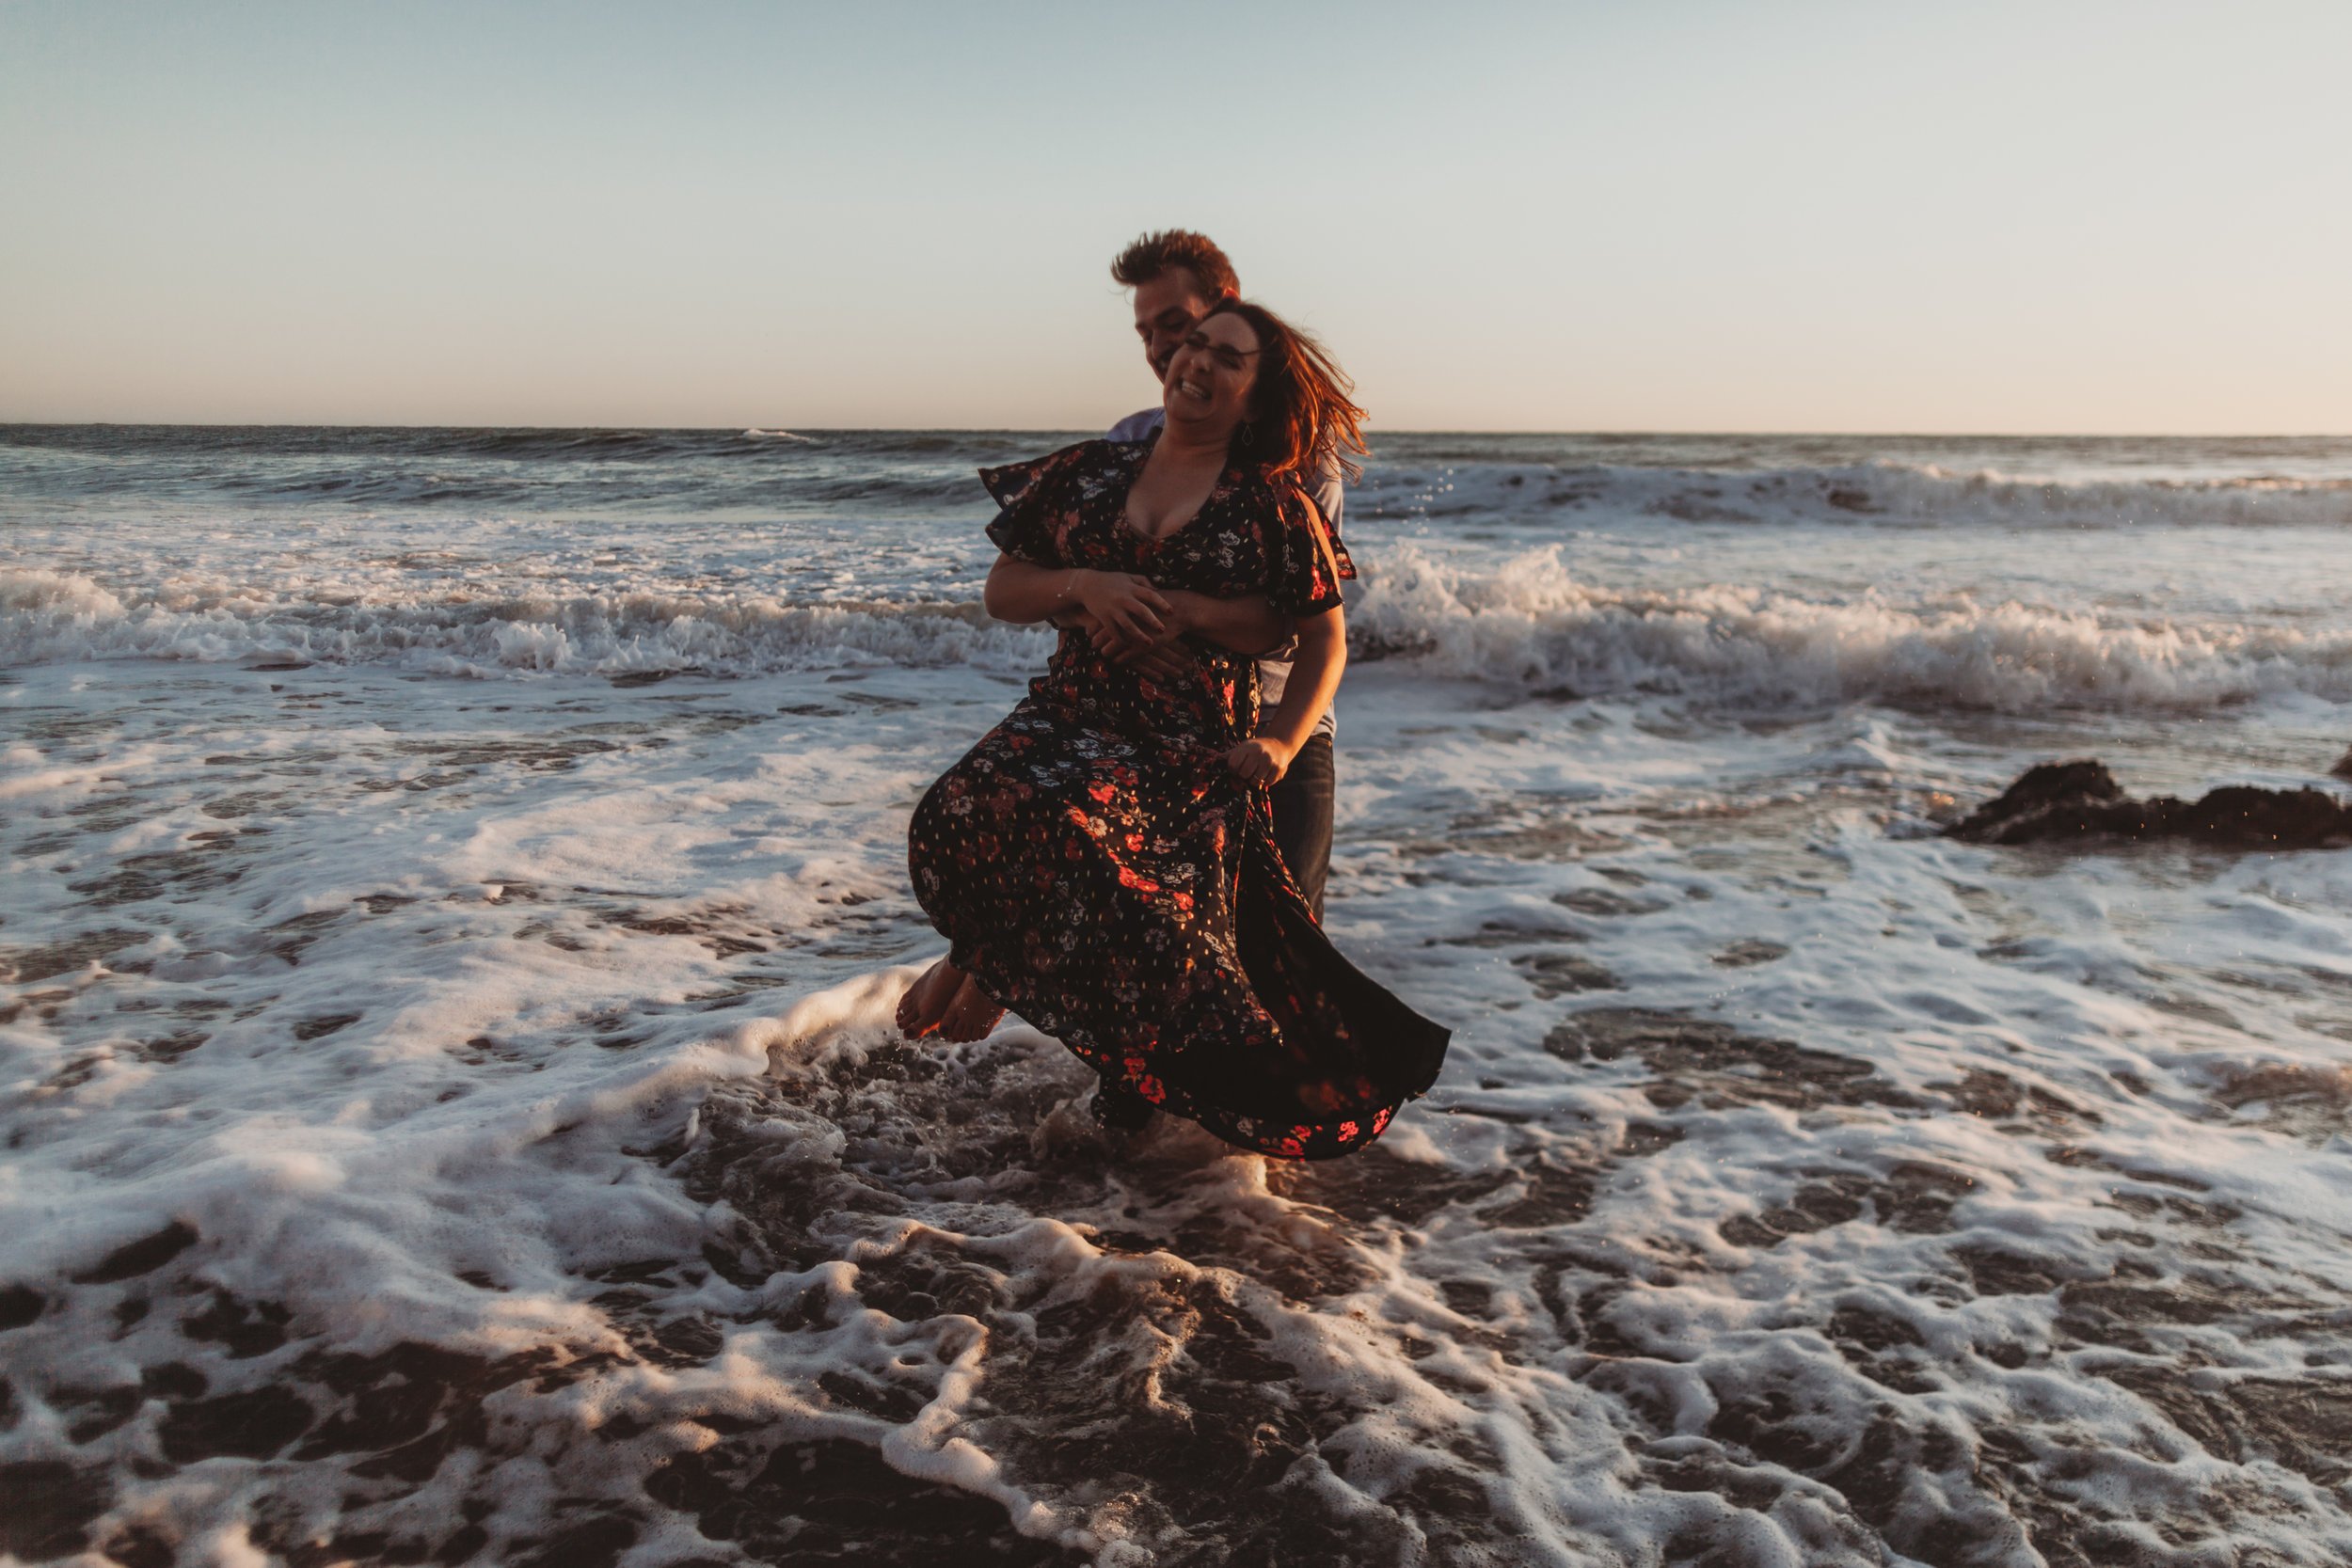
(1214, 369)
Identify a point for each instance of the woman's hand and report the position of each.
(1262, 761)
(1124, 604)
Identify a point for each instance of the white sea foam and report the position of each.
(1532, 623)
(551, 1043)
(1528, 623)
(458, 1118)
(52, 617)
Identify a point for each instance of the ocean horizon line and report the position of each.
(1622, 433)
(1470, 431)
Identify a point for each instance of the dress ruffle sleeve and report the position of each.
(1038, 503)
(1308, 562)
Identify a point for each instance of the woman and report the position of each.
(1102, 862)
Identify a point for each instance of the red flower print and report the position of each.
(1095, 862)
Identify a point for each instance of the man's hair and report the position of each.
(1198, 254)
(1301, 412)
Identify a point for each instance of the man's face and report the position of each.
(1166, 308)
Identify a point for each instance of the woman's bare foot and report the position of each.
(971, 1016)
(928, 1001)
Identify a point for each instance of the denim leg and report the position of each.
(1302, 818)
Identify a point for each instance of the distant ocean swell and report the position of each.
(1490, 479)
(1528, 624)
(1882, 494)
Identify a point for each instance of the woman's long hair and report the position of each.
(1300, 413)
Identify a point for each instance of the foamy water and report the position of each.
(455, 896)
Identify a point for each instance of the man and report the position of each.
(1177, 275)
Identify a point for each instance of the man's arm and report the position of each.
(1315, 679)
(1248, 624)
(1127, 607)
(1025, 593)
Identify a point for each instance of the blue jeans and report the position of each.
(1302, 818)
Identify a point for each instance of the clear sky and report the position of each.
(2050, 217)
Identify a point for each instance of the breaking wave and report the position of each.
(1528, 623)
(48, 617)
(1533, 624)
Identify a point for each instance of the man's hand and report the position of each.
(1125, 604)
(1165, 656)
(1262, 762)
(1167, 661)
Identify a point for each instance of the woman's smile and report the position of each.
(1214, 370)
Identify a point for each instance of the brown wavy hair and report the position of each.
(1301, 413)
(1156, 253)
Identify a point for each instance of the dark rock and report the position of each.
(2081, 801)
(2343, 769)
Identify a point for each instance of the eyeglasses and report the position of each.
(1227, 358)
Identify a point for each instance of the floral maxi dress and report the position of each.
(1099, 871)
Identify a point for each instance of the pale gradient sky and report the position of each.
(1866, 216)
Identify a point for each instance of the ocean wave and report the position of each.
(48, 617)
(1531, 624)
(1881, 493)
(1526, 623)
(1541, 482)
